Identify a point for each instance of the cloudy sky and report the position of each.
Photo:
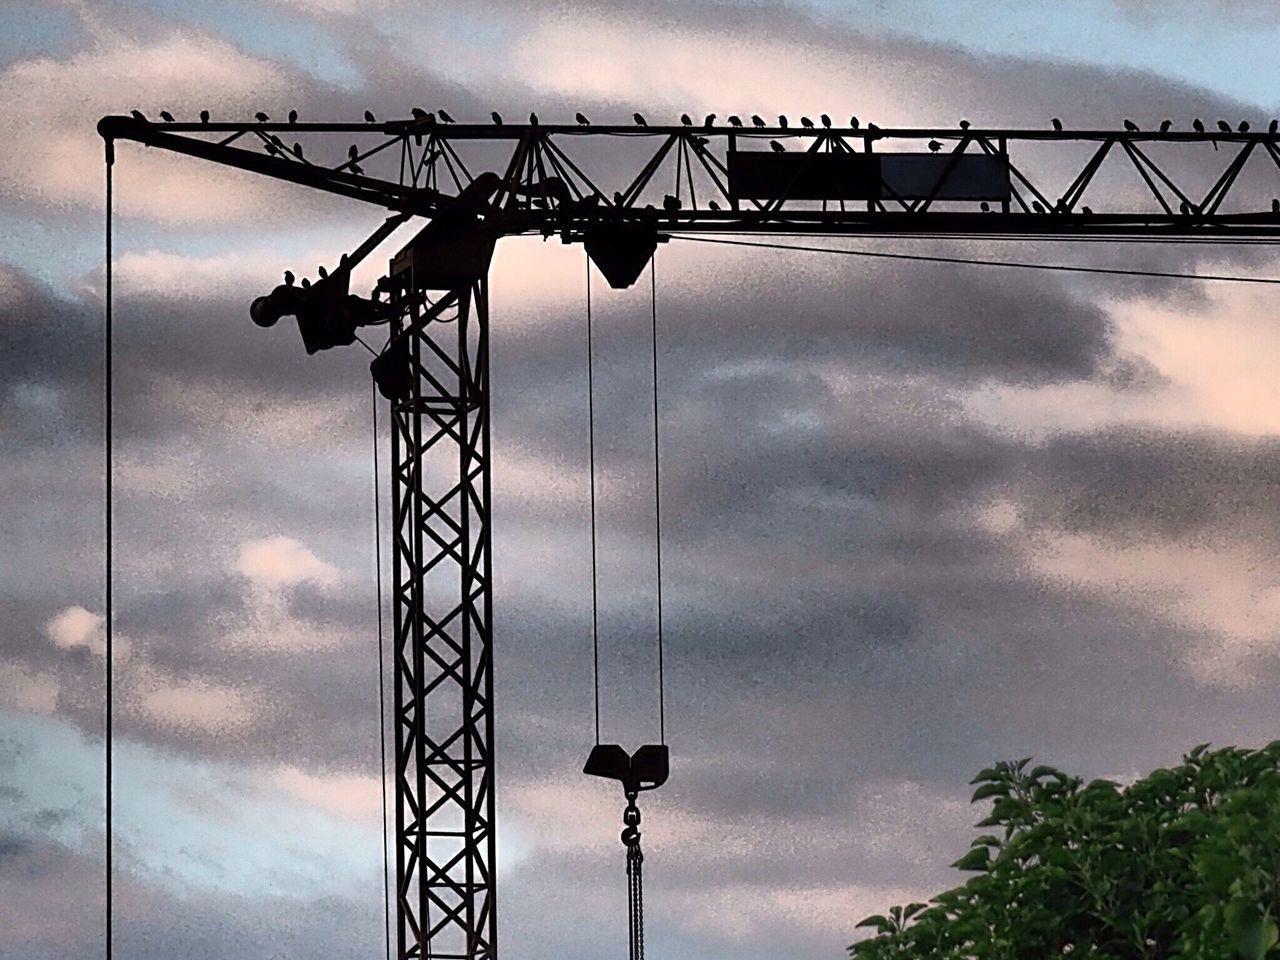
(920, 517)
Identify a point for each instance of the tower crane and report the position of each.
(475, 184)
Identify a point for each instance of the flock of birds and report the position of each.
(709, 123)
(274, 145)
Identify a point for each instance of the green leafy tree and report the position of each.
(1181, 865)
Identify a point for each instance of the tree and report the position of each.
(1184, 864)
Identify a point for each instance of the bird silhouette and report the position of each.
(710, 121)
(782, 121)
(984, 207)
(288, 278)
(297, 150)
(701, 141)
(713, 205)
(582, 121)
(853, 123)
(1184, 208)
(873, 129)
(444, 116)
(757, 120)
(735, 121)
(671, 204)
(418, 113)
(533, 119)
(352, 151)
(261, 117)
(271, 148)
(496, 118)
(1166, 126)
(355, 168)
(777, 147)
(1273, 126)
(1087, 211)
(166, 116)
(934, 146)
(1197, 125)
(618, 199)
(204, 116)
(1057, 124)
(825, 121)
(293, 116)
(686, 120)
(1037, 206)
(369, 117)
(964, 124)
(1244, 126)
(324, 274)
(1131, 126)
(138, 115)
(806, 123)
(639, 120)
(1224, 126)
(1275, 204)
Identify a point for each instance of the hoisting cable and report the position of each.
(1060, 267)
(591, 454)
(382, 683)
(648, 767)
(108, 549)
(657, 497)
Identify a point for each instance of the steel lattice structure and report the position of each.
(648, 182)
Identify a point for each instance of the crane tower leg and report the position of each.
(441, 565)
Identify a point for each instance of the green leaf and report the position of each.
(989, 790)
(979, 858)
(1253, 933)
(881, 923)
(988, 773)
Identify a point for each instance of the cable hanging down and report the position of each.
(108, 375)
(648, 767)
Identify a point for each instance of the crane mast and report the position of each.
(661, 181)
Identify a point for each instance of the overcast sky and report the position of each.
(919, 517)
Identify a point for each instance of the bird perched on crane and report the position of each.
(1224, 126)
(1057, 124)
(934, 146)
(710, 121)
(138, 115)
(444, 116)
(776, 146)
(639, 120)
(853, 123)
(757, 120)
(293, 116)
(166, 116)
(261, 117)
(352, 152)
(686, 120)
(735, 120)
(369, 117)
(964, 124)
(825, 121)
(782, 121)
(582, 120)
(204, 116)
(496, 118)
(1131, 126)
(1166, 126)
(806, 123)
